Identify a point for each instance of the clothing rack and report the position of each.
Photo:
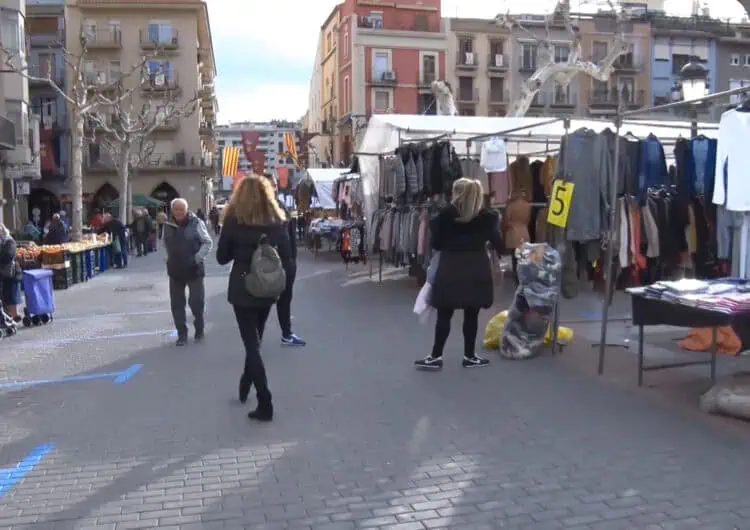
(618, 122)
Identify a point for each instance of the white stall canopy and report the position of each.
(322, 180)
(386, 131)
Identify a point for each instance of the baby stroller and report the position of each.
(7, 325)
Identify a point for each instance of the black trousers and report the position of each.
(141, 247)
(251, 322)
(284, 304)
(443, 330)
(196, 300)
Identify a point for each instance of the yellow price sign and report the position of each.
(559, 208)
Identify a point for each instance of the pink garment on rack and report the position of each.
(500, 187)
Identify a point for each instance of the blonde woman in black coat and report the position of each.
(463, 280)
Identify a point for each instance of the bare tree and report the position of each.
(564, 73)
(127, 124)
(85, 94)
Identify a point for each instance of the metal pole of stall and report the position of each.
(609, 254)
(561, 250)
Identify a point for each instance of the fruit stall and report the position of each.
(70, 263)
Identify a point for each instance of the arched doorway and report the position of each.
(103, 196)
(43, 203)
(166, 193)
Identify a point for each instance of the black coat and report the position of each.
(464, 274)
(237, 243)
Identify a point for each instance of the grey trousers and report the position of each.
(196, 300)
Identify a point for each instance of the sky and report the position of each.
(265, 51)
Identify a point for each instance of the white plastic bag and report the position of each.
(422, 303)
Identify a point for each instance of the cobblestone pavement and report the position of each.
(361, 440)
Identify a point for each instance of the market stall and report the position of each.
(315, 201)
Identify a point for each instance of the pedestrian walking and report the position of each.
(117, 233)
(213, 216)
(463, 275)
(284, 303)
(142, 227)
(10, 275)
(161, 219)
(188, 243)
(255, 238)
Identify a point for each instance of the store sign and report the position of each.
(559, 204)
(23, 188)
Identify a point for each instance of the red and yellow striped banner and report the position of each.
(230, 161)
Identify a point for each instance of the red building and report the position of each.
(390, 53)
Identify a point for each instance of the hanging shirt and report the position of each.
(494, 155)
(731, 186)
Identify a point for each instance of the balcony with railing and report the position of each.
(466, 60)
(387, 78)
(611, 98)
(427, 79)
(47, 40)
(499, 97)
(168, 125)
(664, 24)
(526, 65)
(159, 38)
(39, 72)
(7, 134)
(421, 23)
(628, 64)
(96, 161)
(467, 95)
(103, 38)
(497, 62)
(160, 81)
(563, 98)
(102, 80)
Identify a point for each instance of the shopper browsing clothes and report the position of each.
(254, 231)
(10, 274)
(188, 243)
(463, 275)
(117, 233)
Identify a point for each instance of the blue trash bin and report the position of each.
(89, 264)
(103, 259)
(40, 295)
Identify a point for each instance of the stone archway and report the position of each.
(166, 193)
(45, 202)
(103, 196)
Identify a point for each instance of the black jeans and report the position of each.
(141, 247)
(160, 231)
(284, 304)
(443, 329)
(252, 321)
(196, 300)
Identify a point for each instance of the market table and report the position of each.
(654, 312)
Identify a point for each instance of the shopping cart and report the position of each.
(40, 297)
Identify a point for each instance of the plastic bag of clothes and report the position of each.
(493, 333)
(529, 316)
(729, 398)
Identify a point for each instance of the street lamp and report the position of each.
(694, 78)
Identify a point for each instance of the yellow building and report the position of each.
(119, 34)
(329, 86)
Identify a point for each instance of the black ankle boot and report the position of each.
(264, 412)
(245, 385)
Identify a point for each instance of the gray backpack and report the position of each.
(267, 277)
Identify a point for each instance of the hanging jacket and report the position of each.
(696, 166)
(653, 166)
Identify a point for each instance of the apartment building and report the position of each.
(631, 78)
(45, 30)
(733, 61)
(479, 66)
(313, 122)
(329, 91)
(389, 54)
(261, 147)
(19, 130)
(119, 35)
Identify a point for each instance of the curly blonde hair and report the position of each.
(254, 203)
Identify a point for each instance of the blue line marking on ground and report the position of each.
(118, 377)
(9, 478)
(127, 375)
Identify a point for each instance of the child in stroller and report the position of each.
(7, 324)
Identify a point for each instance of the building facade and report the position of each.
(479, 66)
(314, 117)
(389, 54)
(733, 61)
(119, 35)
(329, 90)
(19, 130)
(630, 81)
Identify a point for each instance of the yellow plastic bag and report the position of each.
(493, 333)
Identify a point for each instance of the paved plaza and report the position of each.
(143, 434)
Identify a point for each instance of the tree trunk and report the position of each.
(123, 170)
(76, 176)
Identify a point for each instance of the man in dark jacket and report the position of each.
(284, 303)
(187, 242)
(116, 230)
(142, 227)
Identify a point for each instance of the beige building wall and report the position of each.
(119, 39)
(329, 67)
(479, 64)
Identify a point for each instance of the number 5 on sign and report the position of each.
(559, 208)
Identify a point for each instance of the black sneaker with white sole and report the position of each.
(475, 362)
(430, 363)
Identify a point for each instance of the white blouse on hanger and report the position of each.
(494, 156)
(732, 150)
